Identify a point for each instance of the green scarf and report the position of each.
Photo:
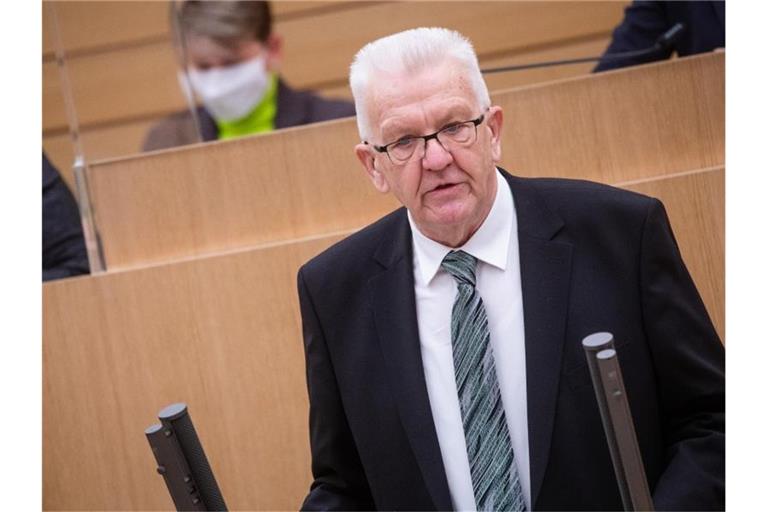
(260, 119)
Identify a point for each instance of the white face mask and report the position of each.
(230, 93)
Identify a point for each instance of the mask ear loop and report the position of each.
(180, 47)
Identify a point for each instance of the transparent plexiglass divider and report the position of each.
(79, 166)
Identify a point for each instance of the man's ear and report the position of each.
(367, 158)
(495, 122)
(274, 54)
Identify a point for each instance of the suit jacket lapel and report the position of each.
(545, 269)
(394, 306)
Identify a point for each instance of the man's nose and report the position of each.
(436, 157)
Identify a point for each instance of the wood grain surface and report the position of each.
(122, 66)
(98, 26)
(610, 128)
(225, 195)
(98, 143)
(621, 125)
(118, 138)
(221, 334)
(139, 80)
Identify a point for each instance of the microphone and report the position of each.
(616, 417)
(182, 461)
(664, 42)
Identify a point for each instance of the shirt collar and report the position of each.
(489, 244)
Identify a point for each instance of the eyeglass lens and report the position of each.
(450, 136)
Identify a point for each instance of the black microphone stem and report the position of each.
(663, 42)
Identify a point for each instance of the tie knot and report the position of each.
(461, 266)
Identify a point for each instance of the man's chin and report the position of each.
(449, 215)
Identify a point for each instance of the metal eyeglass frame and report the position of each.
(385, 148)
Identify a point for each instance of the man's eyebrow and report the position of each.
(397, 130)
(457, 115)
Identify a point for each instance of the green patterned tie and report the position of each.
(495, 479)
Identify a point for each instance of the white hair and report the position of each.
(409, 52)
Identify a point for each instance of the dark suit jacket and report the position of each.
(64, 251)
(644, 21)
(593, 258)
(294, 108)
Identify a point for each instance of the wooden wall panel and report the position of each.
(122, 65)
(123, 85)
(223, 334)
(622, 125)
(140, 80)
(275, 186)
(320, 49)
(609, 128)
(98, 143)
(133, 78)
(695, 203)
(124, 138)
(89, 26)
(591, 46)
(92, 25)
(291, 8)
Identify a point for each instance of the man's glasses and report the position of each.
(454, 135)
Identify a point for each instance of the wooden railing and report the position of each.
(636, 123)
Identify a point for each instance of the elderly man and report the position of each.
(444, 363)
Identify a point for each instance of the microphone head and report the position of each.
(598, 341)
(671, 36)
(173, 411)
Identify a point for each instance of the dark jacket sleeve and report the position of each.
(63, 243)
(296, 108)
(689, 360)
(178, 129)
(325, 109)
(645, 21)
(642, 25)
(339, 479)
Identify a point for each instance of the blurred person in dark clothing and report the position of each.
(64, 252)
(645, 21)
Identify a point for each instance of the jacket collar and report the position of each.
(394, 306)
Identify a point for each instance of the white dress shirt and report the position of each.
(495, 246)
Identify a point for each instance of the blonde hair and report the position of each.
(226, 22)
